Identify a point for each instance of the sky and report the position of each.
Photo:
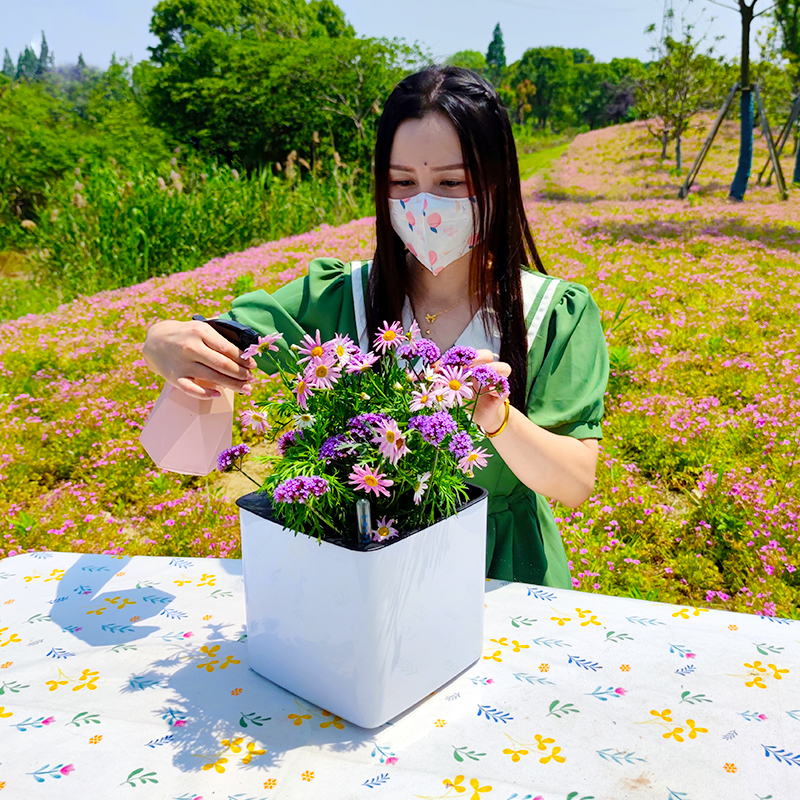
(607, 28)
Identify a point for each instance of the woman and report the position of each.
(454, 251)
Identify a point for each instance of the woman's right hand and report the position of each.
(193, 357)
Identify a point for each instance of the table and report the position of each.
(128, 677)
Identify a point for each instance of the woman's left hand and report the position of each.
(490, 410)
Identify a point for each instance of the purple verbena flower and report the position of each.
(433, 428)
(230, 456)
(300, 489)
(361, 426)
(428, 351)
(488, 378)
(335, 447)
(461, 444)
(286, 440)
(459, 356)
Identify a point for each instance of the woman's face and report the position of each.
(426, 157)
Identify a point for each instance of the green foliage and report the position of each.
(496, 55)
(551, 70)
(468, 59)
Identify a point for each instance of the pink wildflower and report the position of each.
(422, 485)
(475, 459)
(253, 418)
(312, 348)
(67, 769)
(361, 362)
(323, 372)
(343, 348)
(368, 480)
(302, 390)
(265, 344)
(420, 400)
(391, 760)
(391, 442)
(384, 530)
(389, 336)
(620, 691)
(451, 384)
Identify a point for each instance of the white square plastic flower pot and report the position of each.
(364, 634)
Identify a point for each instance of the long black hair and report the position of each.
(505, 243)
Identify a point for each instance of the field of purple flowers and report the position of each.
(698, 492)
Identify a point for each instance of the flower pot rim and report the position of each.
(259, 503)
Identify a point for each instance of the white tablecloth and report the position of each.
(128, 678)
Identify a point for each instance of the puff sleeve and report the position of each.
(568, 367)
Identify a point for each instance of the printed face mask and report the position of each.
(436, 230)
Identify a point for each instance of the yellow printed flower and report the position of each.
(135, 619)
(183, 581)
(98, 611)
(542, 743)
(207, 617)
(582, 612)
(236, 692)
(493, 657)
(675, 733)
(4, 713)
(757, 681)
(554, 755)
(625, 667)
(440, 723)
(53, 685)
(515, 754)
(308, 775)
(89, 677)
(665, 714)
(518, 647)
(756, 665)
(55, 575)
(6, 665)
(251, 751)
(694, 730)
(270, 783)
(126, 602)
(591, 621)
(207, 580)
(336, 721)
(120, 574)
(13, 638)
(683, 613)
(233, 746)
(96, 739)
(730, 767)
(228, 661)
(777, 673)
(544, 667)
(478, 789)
(217, 765)
(298, 718)
(733, 627)
(456, 784)
(112, 600)
(29, 578)
(562, 621)
(503, 641)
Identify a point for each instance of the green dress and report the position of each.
(567, 374)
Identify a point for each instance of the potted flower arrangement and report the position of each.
(364, 549)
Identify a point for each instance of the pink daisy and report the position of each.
(311, 348)
(368, 480)
(322, 373)
(302, 390)
(389, 337)
(474, 460)
(451, 383)
(420, 400)
(343, 348)
(253, 418)
(265, 344)
(384, 531)
(390, 440)
(361, 362)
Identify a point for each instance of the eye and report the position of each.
(402, 183)
(452, 184)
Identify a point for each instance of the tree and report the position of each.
(8, 65)
(551, 70)
(46, 59)
(678, 85)
(496, 56)
(786, 14)
(27, 64)
(468, 59)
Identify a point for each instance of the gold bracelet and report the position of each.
(505, 422)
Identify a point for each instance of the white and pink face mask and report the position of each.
(436, 230)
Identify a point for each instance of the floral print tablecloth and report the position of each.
(128, 677)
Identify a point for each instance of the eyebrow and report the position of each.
(433, 169)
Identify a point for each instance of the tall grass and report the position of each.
(106, 228)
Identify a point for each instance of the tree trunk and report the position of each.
(678, 155)
(664, 140)
(796, 176)
(740, 180)
(742, 176)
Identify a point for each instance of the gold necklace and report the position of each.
(431, 318)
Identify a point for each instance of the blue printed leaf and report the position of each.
(794, 714)
(687, 670)
(584, 663)
(83, 589)
(551, 642)
(157, 598)
(158, 742)
(57, 652)
(752, 716)
(521, 676)
(619, 756)
(781, 755)
(118, 628)
(172, 613)
(643, 621)
(143, 682)
(494, 715)
(94, 569)
(603, 694)
(730, 735)
(181, 563)
(541, 594)
(379, 781)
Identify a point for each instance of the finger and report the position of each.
(231, 363)
(483, 357)
(502, 368)
(204, 375)
(189, 387)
